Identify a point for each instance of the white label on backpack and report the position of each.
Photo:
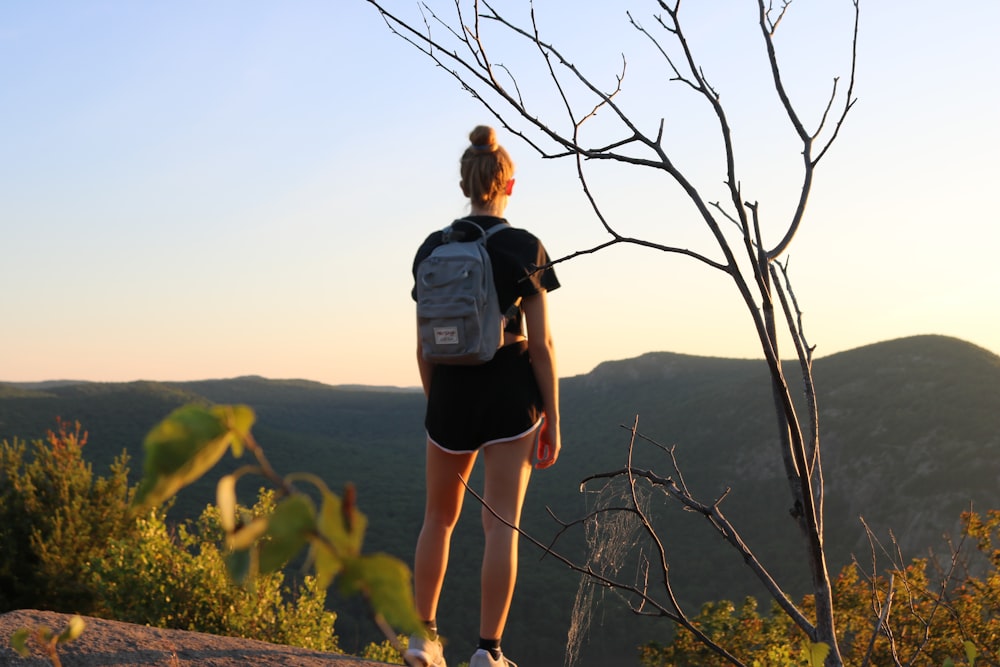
(446, 335)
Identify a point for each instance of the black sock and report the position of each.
(491, 645)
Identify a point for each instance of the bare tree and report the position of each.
(459, 43)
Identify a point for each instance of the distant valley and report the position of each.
(910, 433)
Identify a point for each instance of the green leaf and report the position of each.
(225, 498)
(186, 444)
(971, 652)
(326, 563)
(288, 530)
(19, 642)
(387, 584)
(948, 662)
(73, 630)
(817, 653)
(247, 535)
(343, 526)
(241, 565)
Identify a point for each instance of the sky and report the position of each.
(194, 190)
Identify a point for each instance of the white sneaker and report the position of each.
(483, 658)
(426, 652)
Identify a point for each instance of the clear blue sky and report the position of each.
(196, 190)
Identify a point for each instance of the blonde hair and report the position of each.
(485, 166)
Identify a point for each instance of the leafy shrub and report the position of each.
(937, 611)
(177, 578)
(55, 518)
(385, 651)
(744, 632)
(193, 438)
(70, 545)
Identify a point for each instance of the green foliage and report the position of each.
(934, 617)
(55, 518)
(815, 653)
(179, 579)
(386, 652)
(763, 640)
(71, 545)
(75, 546)
(47, 640)
(193, 438)
(184, 446)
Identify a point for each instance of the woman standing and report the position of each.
(502, 407)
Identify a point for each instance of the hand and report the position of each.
(547, 445)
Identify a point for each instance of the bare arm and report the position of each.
(543, 362)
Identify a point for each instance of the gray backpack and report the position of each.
(458, 313)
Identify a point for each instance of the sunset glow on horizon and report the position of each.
(193, 191)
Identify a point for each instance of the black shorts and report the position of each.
(472, 406)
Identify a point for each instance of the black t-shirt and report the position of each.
(514, 254)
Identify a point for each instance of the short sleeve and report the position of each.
(516, 255)
(534, 281)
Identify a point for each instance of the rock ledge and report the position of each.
(126, 645)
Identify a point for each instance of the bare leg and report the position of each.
(508, 469)
(445, 492)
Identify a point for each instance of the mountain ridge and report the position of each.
(910, 433)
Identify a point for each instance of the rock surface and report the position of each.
(106, 642)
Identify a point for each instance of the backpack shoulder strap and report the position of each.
(499, 227)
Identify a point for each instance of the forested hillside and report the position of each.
(910, 432)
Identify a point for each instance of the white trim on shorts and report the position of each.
(485, 444)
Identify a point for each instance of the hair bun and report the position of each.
(483, 138)
(486, 166)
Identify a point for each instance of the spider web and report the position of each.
(614, 538)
